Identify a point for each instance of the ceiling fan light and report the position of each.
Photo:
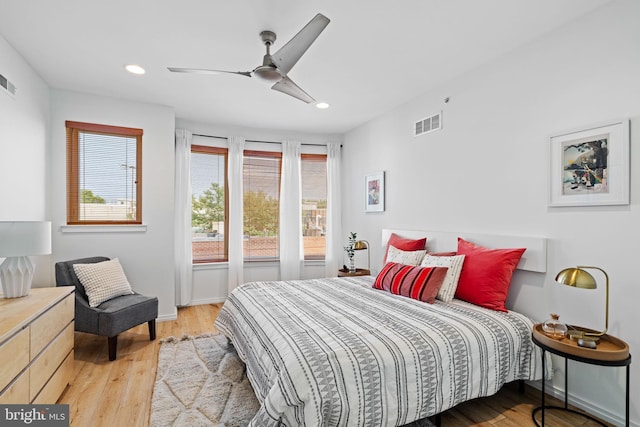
(267, 73)
(135, 69)
(322, 105)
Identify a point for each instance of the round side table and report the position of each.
(611, 351)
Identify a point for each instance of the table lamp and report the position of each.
(361, 245)
(577, 277)
(18, 240)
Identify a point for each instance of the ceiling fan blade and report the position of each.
(286, 85)
(290, 53)
(206, 71)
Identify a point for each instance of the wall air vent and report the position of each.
(7, 86)
(430, 124)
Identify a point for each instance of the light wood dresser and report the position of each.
(36, 345)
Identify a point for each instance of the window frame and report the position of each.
(73, 129)
(207, 149)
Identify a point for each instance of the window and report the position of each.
(209, 204)
(261, 201)
(104, 174)
(314, 205)
(261, 182)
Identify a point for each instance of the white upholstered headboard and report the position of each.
(533, 259)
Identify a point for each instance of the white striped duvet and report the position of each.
(334, 352)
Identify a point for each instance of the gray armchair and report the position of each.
(111, 317)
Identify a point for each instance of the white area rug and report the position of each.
(201, 381)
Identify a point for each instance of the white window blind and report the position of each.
(261, 184)
(314, 205)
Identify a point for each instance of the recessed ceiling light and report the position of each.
(322, 105)
(135, 69)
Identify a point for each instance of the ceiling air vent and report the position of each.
(7, 86)
(429, 124)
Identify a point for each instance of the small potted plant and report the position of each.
(349, 249)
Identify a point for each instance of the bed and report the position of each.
(336, 352)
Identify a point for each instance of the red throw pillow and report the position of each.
(404, 244)
(486, 274)
(421, 283)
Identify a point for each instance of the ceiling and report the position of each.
(373, 55)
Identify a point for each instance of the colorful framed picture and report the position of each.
(590, 166)
(374, 192)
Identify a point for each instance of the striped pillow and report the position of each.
(102, 281)
(420, 283)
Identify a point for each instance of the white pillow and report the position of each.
(450, 283)
(405, 257)
(102, 281)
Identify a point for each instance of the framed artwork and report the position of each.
(590, 166)
(374, 192)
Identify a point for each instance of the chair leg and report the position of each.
(152, 329)
(113, 347)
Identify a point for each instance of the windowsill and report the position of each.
(222, 265)
(120, 228)
(250, 264)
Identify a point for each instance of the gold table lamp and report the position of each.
(577, 277)
(361, 245)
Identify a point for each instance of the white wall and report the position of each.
(24, 147)
(33, 176)
(486, 171)
(210, 280)
(147, 257)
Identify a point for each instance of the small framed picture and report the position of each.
(590, 166)
(374, 192)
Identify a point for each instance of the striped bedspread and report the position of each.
(335, 352)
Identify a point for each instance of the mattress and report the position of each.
(335, 352)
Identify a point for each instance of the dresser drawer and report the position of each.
(49, 360)
(47, 326)
(18, 392)
(14, 357)
(56, 385)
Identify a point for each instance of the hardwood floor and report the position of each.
(118, 393)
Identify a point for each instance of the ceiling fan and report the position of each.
(275, 67)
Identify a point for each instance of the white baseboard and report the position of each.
(168, 317)
(584, 405)
(174, 315)
(208, 301)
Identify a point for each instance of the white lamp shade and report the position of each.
(20, 238)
